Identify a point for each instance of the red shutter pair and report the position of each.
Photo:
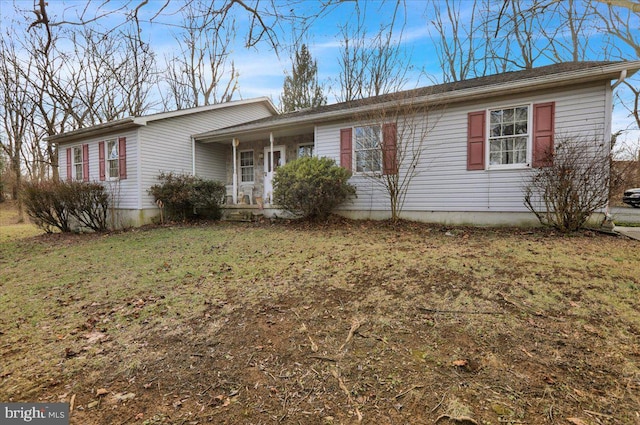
(122, 159)
(389, 148)
(85, 163)
(543, 129)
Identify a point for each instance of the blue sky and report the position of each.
(262, 71)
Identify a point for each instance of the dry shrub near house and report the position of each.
(55, 204)
(566, 193)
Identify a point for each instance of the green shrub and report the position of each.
(54, 204)
(184, 197)
(311, 187)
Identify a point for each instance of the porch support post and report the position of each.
(273, 167)
(235, 143)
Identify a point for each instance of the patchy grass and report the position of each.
(262, 323)
(12, 227)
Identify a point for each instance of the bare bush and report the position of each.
(54, 204)
(575, 185)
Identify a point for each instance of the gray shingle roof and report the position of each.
(436, 89)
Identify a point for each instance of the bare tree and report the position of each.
(202, 73)
(567, 193)
(390, 144)
(372, 65)
(456, 43)
(17, 111)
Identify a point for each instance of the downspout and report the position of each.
(607, 222)
(193, 156)
(234, 143)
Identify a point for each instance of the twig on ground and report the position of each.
(405, 392)
(344, 388)
(433, 310)
(457, 419)
(355, 325)
(326, 359)
(520, 307)
(71, 404)
(439, 404)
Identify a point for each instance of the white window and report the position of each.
(305, 150)
(508, 136)
(77, 162)
(368, 153)
(112, 158)
(246, 166)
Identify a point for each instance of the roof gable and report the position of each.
(136, 122)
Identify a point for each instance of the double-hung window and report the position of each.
(77, 163)
(246, 166)
(305, 150)
(368, 145)
(112, 158)
(508, 136)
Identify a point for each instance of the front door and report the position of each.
(278, 160)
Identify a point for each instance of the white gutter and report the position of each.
(621, 78)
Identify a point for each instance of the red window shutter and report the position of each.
(346, 148)
(85, 162)
(476, 140)
(543, 129)
(69, 164)
(389, 148)
(101, 160)
(122, 160)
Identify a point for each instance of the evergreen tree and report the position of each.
(301, 89)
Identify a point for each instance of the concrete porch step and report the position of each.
(247, 216)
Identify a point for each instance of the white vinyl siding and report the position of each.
(443, 183)
(124, 190)
(210, 161)
(167, 146)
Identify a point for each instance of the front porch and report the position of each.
(250, 166)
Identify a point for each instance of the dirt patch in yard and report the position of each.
(351, 322)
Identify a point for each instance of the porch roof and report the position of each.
(545, 77)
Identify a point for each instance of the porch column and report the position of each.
(272, 167)
(271, 152)
(235, 144)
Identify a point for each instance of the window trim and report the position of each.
(300, 145)
(529, 135)
(379, 149)
(253, 165)
(107, 168)
(74, 165)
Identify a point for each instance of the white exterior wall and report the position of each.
(443, 184)
(166, 144)
(211, 161)
(125, 190)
